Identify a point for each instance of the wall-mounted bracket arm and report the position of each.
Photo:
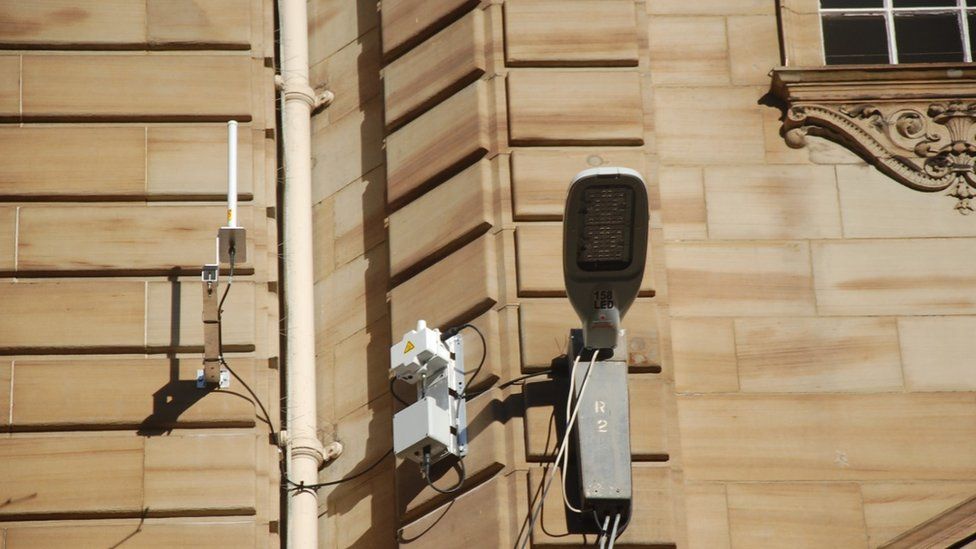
(211, 373)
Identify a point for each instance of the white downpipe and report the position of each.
(232, 173)
(304, 449)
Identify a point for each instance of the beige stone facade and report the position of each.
(800, 366)
(112, 182)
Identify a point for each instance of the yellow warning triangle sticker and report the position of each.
(408, 348)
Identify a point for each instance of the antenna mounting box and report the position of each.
(232, 238)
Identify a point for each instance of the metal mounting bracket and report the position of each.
(211, 326)
(232, 238)
(223, 383)
(456, 379)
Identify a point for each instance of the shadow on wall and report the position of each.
(485, 411)
(178, 395)
(493, 413)
(553, 393)
(363, 509)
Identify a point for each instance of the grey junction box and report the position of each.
(602, 438)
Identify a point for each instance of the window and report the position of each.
(897, 31)
(898, 111)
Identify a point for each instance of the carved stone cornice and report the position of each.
(917, 124)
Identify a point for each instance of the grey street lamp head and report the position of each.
(604, 249)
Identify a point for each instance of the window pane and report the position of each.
(928, 38)
(853, 3)
(850, 40)
(972, 35)
(925, 3)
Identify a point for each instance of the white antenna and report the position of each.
(231, 249)
(232, 173)
(231, 237)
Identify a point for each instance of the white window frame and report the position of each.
(888, 11)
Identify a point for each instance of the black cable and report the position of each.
(963, 543)
(316, 486)
(220, 348)
(462, 475)
(230, 280)
(431, 526)
(543, 484)
(393, 392)
(451, 332)
(267, 416)
(223, 362)
(264, 411)
(545, 468)
(510, 382)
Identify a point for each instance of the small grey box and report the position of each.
(421, 424)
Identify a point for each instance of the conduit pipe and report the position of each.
(304, 451)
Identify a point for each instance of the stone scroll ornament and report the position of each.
(927, 147)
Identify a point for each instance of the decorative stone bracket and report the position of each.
(917, 124)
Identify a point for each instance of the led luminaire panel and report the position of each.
(605, 228)
(607, 219)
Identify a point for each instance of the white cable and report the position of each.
(603, 532)
(569, 427)
(613, 533)
(572, 377)
(569, 405)
(559, 455)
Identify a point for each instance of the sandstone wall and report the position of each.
(112, 184)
